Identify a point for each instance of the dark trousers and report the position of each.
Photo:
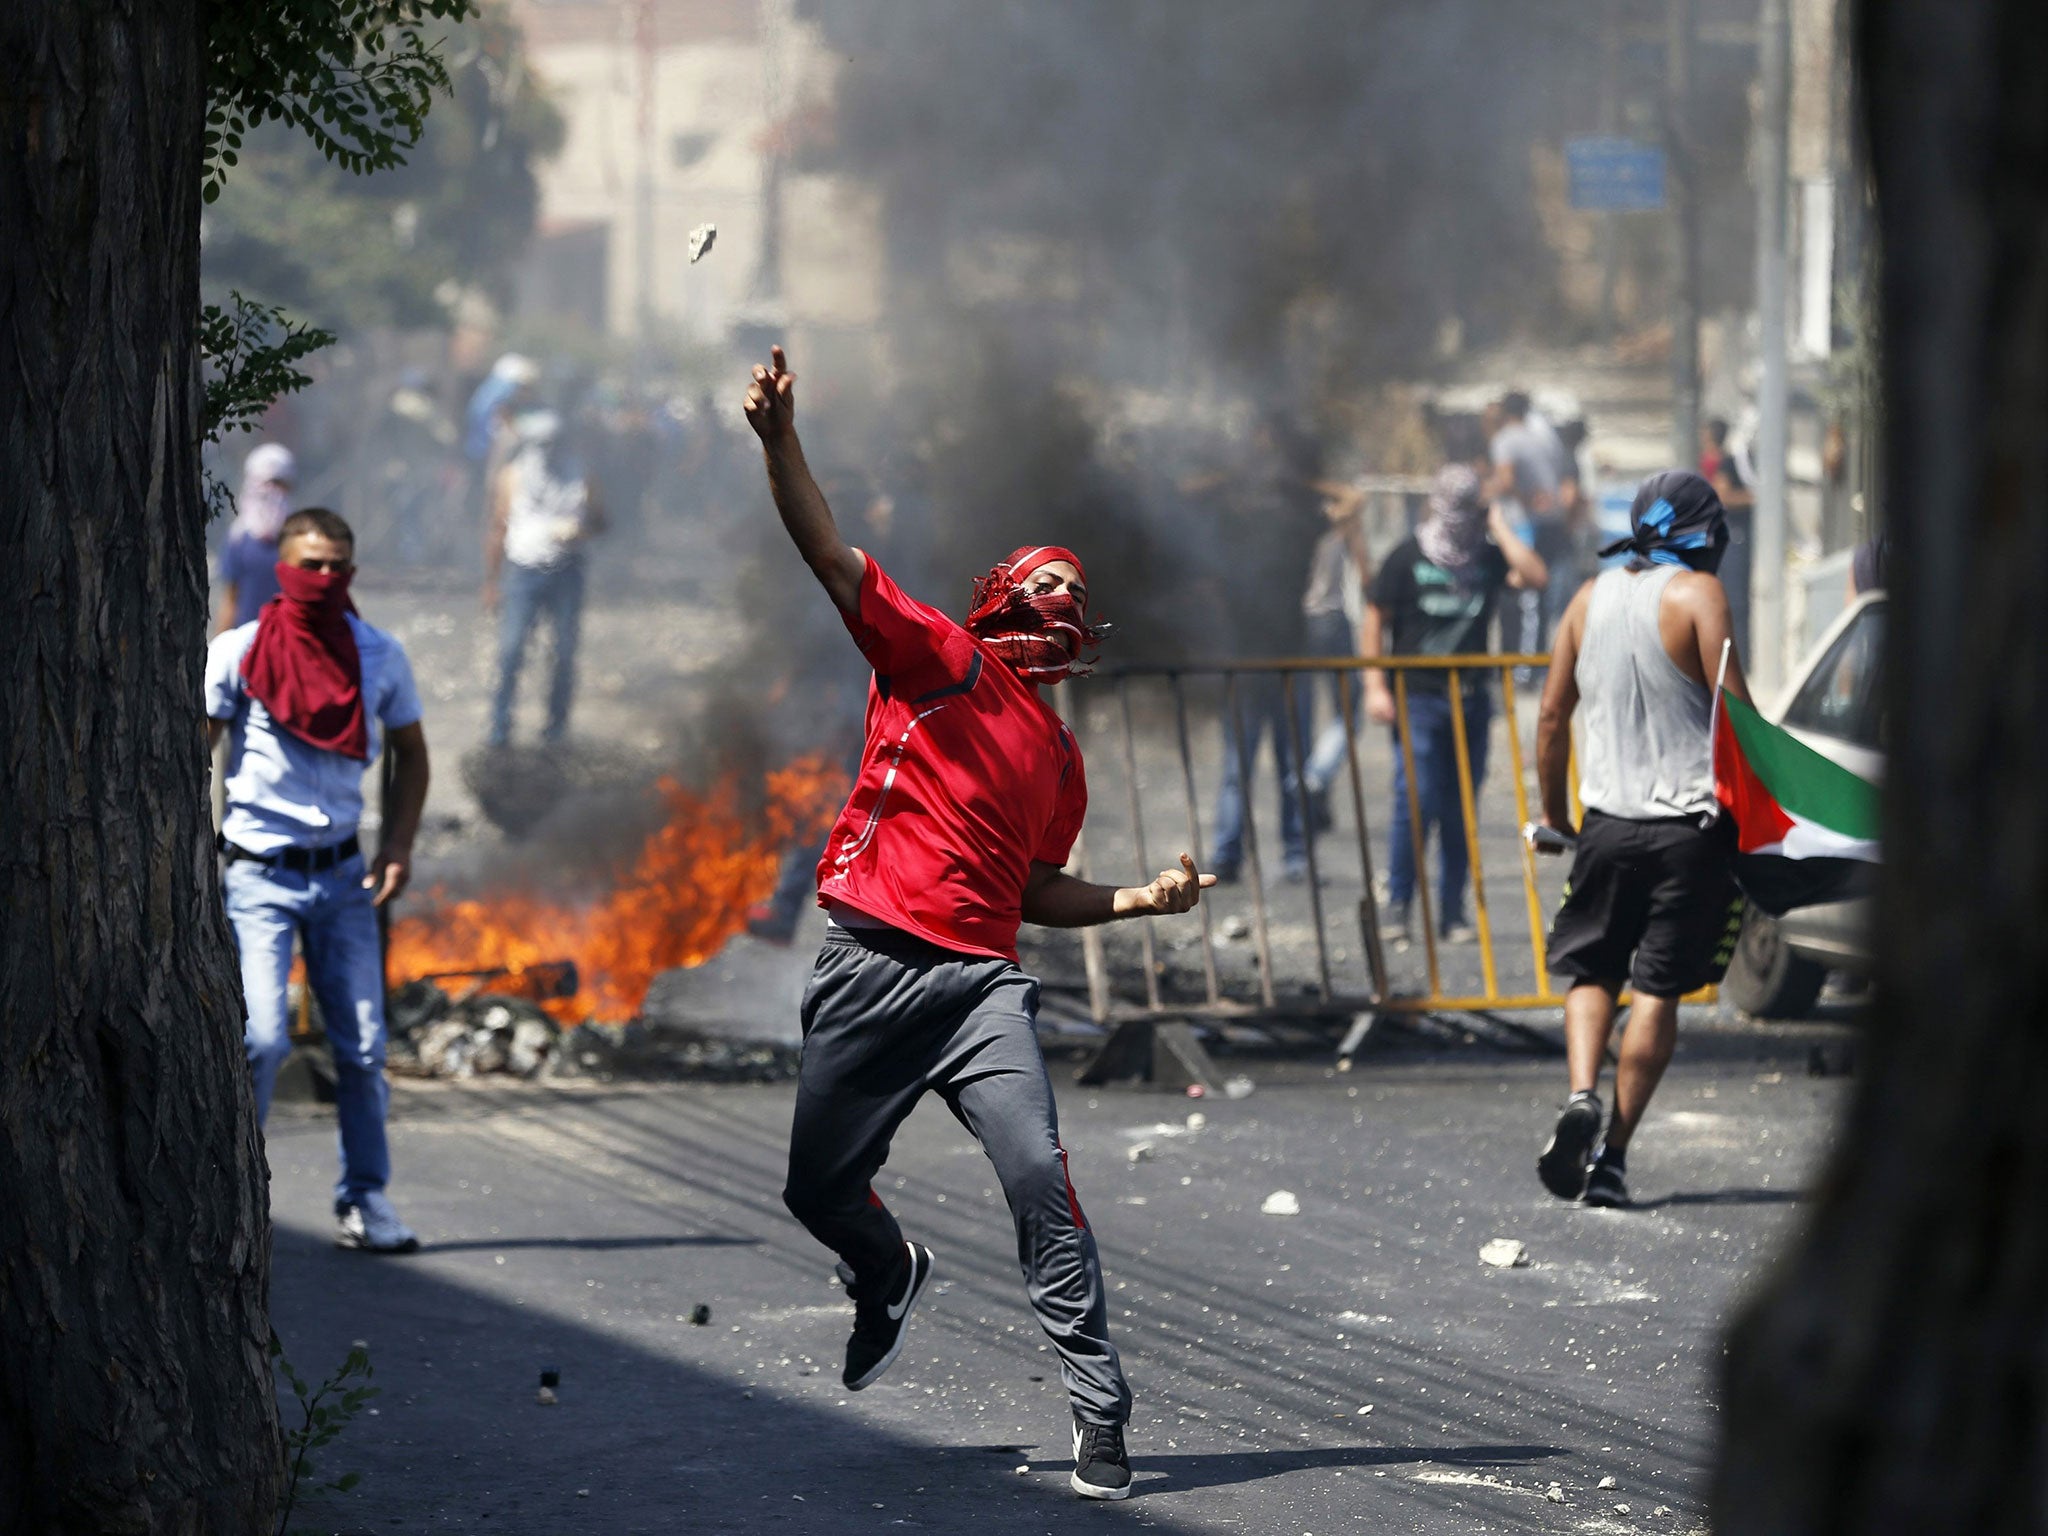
(888, 1018)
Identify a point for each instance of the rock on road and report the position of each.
(1353, 1367)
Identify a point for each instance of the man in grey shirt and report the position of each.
(1535, 484)
(1652, 899)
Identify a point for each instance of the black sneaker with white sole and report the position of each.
(1562, 1167)
(880, 1319)
(1607, 1184)
(1102, 1469)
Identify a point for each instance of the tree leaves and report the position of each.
(251, 352)
(357, 77)
(323, 1414)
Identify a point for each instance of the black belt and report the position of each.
(302, 861)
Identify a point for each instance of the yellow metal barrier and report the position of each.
(1382, 994)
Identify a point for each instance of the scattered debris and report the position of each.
(1366, 1409)
(546, 1397)
(700, 1315)
(435, 1035)
(1554, 1493)
(1505, 1253)
(1282, 1202)
(1238, 1088)
(1621, 1509)
(1140, 1152)
(702, 238)
(1196, 1091)
(1198, 1121)
(1608, 1482)
(1023, 1469)
(1661, 1510)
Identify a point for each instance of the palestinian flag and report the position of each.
(1807, 827)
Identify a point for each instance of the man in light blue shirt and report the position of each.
(302, 692)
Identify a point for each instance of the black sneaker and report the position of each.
(1562, 1167)
(1607, 1185)
(880, 1320)
(1101, 1468)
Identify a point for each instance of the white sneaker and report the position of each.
(372, 1225)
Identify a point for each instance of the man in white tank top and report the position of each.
(1652, 900)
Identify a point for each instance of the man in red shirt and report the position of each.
(968, 800)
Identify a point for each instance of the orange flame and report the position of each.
(685, 893)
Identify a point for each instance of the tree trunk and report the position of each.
(1892, 1375)
(135, 1389)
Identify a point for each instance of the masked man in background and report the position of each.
(301, 692)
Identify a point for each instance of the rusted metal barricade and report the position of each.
(1377, 991)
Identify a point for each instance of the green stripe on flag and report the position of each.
(1806, 783)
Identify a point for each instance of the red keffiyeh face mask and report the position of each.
(1040, 635)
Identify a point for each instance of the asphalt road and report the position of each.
(1353, 1367)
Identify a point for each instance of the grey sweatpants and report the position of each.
(887, 1017)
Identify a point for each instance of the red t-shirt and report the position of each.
(967, 777)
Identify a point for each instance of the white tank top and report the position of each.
(544, 518)
(1643, 724)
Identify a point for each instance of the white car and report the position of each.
(1835, 704)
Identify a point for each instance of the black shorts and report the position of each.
(1652, 902)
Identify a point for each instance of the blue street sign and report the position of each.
(1615, 175)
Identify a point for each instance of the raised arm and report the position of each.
(1525, 567)
(771, 412)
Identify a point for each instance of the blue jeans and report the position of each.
(331, 914)
(1436, 782)
(1262, 711)
(1331, 634)
(525, 593)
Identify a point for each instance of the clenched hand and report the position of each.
(1176, 890)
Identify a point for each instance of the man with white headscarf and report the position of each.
(247, 575)
(1435, 595)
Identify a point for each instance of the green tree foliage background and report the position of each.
(298, 225)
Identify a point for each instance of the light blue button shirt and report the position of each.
(282, 793)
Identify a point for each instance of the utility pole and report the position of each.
(1683, 194)
(1767, 567)
(1610, 123)
(643, 190)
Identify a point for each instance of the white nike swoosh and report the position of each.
(898, 1309)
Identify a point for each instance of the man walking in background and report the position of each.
(544, 509)
(301, 693)
(969, 797)
(1435, 595)
(1535, 484)
(1652, 898)
(1269, 516)
(1332, 611)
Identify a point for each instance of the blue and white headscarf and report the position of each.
(1677, 519)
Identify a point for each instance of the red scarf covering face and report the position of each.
(303, 664)
(1040, 636)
